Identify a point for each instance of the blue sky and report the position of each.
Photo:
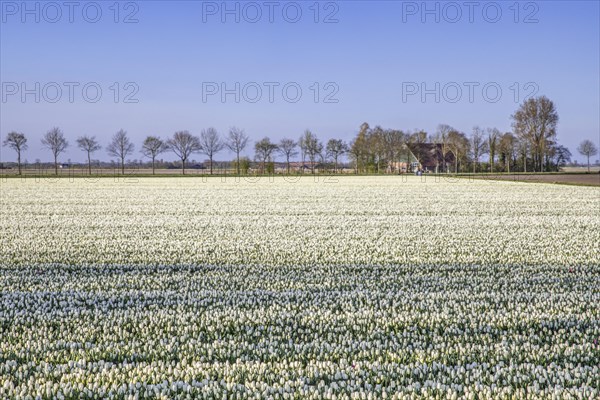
(372, 59)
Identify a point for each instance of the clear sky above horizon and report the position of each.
(163, 66)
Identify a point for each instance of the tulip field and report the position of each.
(353, 287)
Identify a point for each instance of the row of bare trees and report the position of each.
(312, 151)
(183, 144)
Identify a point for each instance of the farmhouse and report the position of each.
(430, 157)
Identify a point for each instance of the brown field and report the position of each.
(581, 169)
(592, 179)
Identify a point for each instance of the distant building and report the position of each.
(306, 166)
(429, 157)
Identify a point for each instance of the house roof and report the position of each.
(430, 154)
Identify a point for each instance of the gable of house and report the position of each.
(430, 156)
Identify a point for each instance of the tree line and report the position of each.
(183, 144)
(530, 147)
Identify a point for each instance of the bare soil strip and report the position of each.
(565, 179)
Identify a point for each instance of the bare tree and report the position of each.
(307, 143)
(441, 138)
(153, 146)
(478, 146)
(523, 147)
(459, 146)
(120, 147)
(18, 142)
(492, 143)
(313, 148)
(302, 150)
(335, 149)
(236, 141)
(302, 143)
(507, 146)
(184, 144)
(394, 142)
(535, 121)
(587, 148)
(359, 148)
(55, 141)
(89, 145)
(210, 144)
(264, 150)
(376, 146)
(287, 147)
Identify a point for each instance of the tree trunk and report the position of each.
(55, 165)
(19, 161)
(89, 165)
(542, 157)
(238, 163)
(456, 164)
(183, 167)
(122, 165)
(153, 166)
(588, 158)
(211, 165)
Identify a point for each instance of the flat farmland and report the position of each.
(345, 287)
